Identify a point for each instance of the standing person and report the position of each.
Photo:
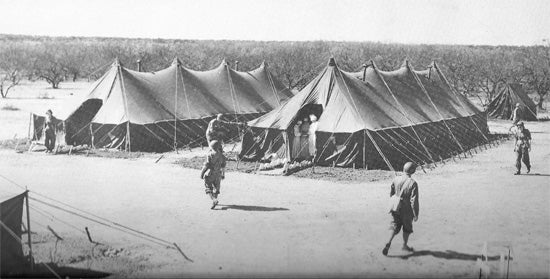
(516, 114)
(522, 147)
(216, 129)
(312, 136)
(213, 171)
(49, 131)
(406, 189)
(296, 141)
(304, 139)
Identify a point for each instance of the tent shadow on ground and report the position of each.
(40, 271)
(449, 255)
(251, 208)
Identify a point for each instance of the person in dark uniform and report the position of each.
(49, 131)
(522, 147)
(407, 188)
(213, 171)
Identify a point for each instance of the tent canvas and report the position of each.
(505, 102)
(372, 119)
(170, 108)
(12, 259)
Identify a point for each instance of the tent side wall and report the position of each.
(398, 145)
(259, 142)
(161, 136)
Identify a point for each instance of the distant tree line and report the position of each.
(472, 70)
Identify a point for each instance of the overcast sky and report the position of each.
(495, 22)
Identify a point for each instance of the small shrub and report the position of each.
(10, 107)
(45, 96)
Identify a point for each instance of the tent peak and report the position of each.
(331, 61)
(176, 61)
(117, 62)
(406, 63)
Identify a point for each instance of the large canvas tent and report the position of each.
(167, 109)
(372, 119)
(505, 102)
(12, 259)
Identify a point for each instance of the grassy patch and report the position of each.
(44, 96)
(17, 144)
(9, 107)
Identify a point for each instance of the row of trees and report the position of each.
(472, 70)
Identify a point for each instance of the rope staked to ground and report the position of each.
(104, 222)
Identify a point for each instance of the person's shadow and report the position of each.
(43, 271)
(249, 208)
(535, 174)
(448, 255)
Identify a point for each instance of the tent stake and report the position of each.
(54, 233)
(183, 254)
(88, 234)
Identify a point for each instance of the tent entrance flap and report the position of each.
(76, 126)
(309, 109)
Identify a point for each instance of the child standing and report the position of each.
(213, 171)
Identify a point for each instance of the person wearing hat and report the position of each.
(213, 171)
(216, 129)
(49, 131)
(406, 189)
(522, 147)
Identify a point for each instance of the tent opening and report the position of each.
(76, 124)
(304, 128)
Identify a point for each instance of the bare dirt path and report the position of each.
(273, 225)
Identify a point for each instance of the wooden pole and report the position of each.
(29, 228)
(364, 71)
(29, 130)
(364, 138)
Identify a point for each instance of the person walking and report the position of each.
(406, 210)
(522, 147)
(49, 131)
(213, 171)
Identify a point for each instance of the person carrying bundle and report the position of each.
(216, 129)
(404, 206)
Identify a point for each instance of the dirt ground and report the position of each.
(290, 226)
